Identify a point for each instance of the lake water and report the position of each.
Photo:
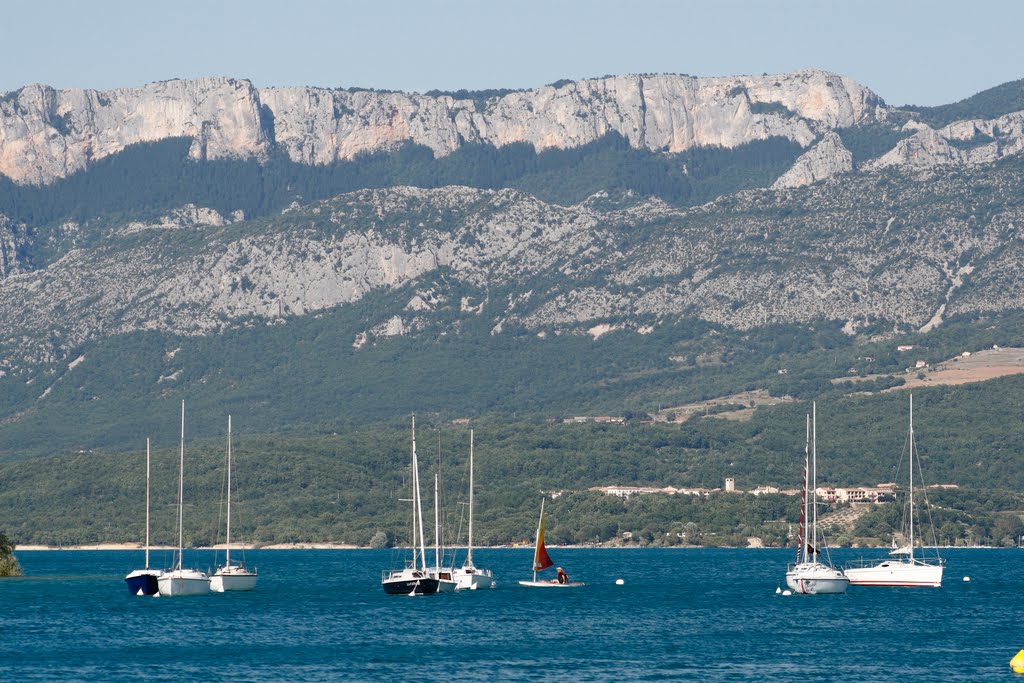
(687, 615)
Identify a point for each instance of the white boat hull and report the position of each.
(446, 582)
(183, 582)
(473, 578)
(551, 584)
(814, 578)
(233, 579)
(897, 573)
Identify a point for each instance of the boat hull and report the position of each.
(446, 582)
(233, 579)
(551, 584)
(897, 574)
(472, 578)
(182, 582)
(421, 586)
(143, 582)
(816, 579)
(411, 581)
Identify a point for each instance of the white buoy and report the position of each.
(778, 590)
(967, 578)
(787, 592)
(619, 582)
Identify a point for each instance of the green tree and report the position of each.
(8, 562)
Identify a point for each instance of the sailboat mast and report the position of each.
(147, 502)
(469, 552)
(536, 545)
(801, 551)
(417, 502)
(814, 480)
(227, 549)
(437, 525)
(181, 482)
(911, 450)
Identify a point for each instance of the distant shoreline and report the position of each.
(234, 546)
(345, 546)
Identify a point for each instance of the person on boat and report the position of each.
(562, 576)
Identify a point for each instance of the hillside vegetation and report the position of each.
(346, 487)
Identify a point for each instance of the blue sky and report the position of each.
(909, 52)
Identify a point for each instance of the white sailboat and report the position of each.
(232, 577)
(469, 576)
(414, 578)
(181, 581)
(542, 561)
(910, 570)
(144, 581)
(809, 575)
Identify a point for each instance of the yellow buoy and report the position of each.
(1017, 663)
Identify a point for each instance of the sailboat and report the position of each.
(144, 581)
(542, 561)
(414, 578)
(910, 570)
(231, 577)
(469, 576)
(181, 581)
(809, 575)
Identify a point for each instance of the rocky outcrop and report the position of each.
(826, 159)
(963, 142)
(46, 134)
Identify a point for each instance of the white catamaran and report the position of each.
(809, 575)
(913, 569)
(469, 576)
(232, 577)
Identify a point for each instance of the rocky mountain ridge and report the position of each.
(869, 253)
(47, 134)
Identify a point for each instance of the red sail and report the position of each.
(541, 559)
(540, 555)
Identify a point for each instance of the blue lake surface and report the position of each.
(686, 615)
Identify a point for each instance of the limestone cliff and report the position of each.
(826, 159)
(963, 142)
(47, 134)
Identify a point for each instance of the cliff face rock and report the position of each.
(826, 159)
(46, 134)
(963, 142)
(870, 252)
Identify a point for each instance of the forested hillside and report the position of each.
(346, 487)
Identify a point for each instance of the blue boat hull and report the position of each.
(142, 584)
